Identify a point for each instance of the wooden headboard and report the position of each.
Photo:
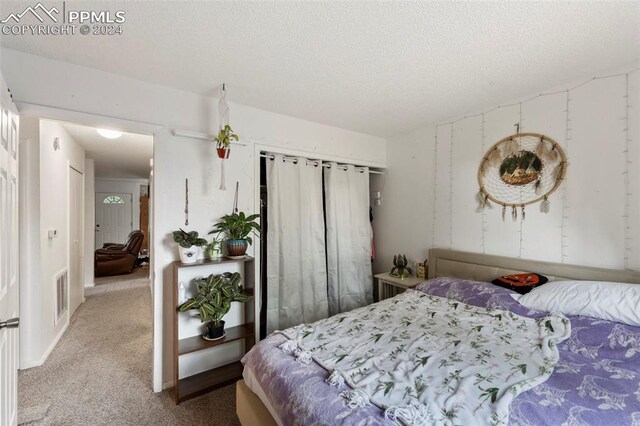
(484, 267)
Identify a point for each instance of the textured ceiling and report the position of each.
(375, 67)
(126, 157)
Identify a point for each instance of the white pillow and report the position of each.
(619, 302)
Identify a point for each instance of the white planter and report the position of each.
(189, 255)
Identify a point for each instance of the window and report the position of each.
(113, 199)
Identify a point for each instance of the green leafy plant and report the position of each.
(400, 268)
(238, 226)
(215, 242)
(214, 295)
(225, 136)
(212, 246)
(187, 239)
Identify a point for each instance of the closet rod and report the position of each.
(318, 163)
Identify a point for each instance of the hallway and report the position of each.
(100, 372)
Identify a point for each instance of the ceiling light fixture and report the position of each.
(109, 134)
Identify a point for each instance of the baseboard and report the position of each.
(43, 359)
(54, 343)
(167, 385)
(89, 285)
(30, 364)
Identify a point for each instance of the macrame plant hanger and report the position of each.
(235, 198)
(223, 120)
(186, 202)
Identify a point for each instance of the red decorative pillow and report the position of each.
(521, 283)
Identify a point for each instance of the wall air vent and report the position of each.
(62, 291)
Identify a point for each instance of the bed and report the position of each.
(594, 380)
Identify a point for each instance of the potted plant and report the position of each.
(400, 268)
(189, 244)
(212, 250)
(213, 298)
(223, 140)
(237, 227)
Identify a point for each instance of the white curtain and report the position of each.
(296, 262)
(350, 281)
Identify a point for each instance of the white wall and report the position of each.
(89, 221)
(402, 224)
(127, 186)
(49, 186)
(594, 217)
(68, 91)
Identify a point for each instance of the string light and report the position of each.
(482, 212)
(445, 123)
(435, 191)
(451, 189)
(565, 199)
(520, 247)
(627, 184)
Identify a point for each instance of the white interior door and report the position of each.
(8, 263)
(113, 217)
(76, 239)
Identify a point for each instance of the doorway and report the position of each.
(76, 239)
(323, 210)
(82, 176)
(114, 217)
(9, 272)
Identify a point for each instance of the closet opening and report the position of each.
(263, 246)
(316, 219)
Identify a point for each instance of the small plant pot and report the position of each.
(214, 331)
(212, 253)
(223, 152)
(237, 247)
(189, 255)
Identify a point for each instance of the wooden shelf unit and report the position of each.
(198, 384)
(196, 343)
(201, 383)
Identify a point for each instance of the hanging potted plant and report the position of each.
(189, 244)
(237, 227)
(223, 140)
(213, 298)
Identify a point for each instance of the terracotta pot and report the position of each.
(223, 152)
(237, 247)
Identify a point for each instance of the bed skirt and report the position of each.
(250, 410)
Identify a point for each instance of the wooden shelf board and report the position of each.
(196, 343)
(199, 384)
(204, 262)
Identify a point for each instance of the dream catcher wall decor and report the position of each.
(520, 170)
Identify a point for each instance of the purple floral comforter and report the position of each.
(596, 381)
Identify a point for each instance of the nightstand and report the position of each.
(389, 286)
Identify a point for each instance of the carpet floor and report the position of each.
(100, 372)
(139, 273)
